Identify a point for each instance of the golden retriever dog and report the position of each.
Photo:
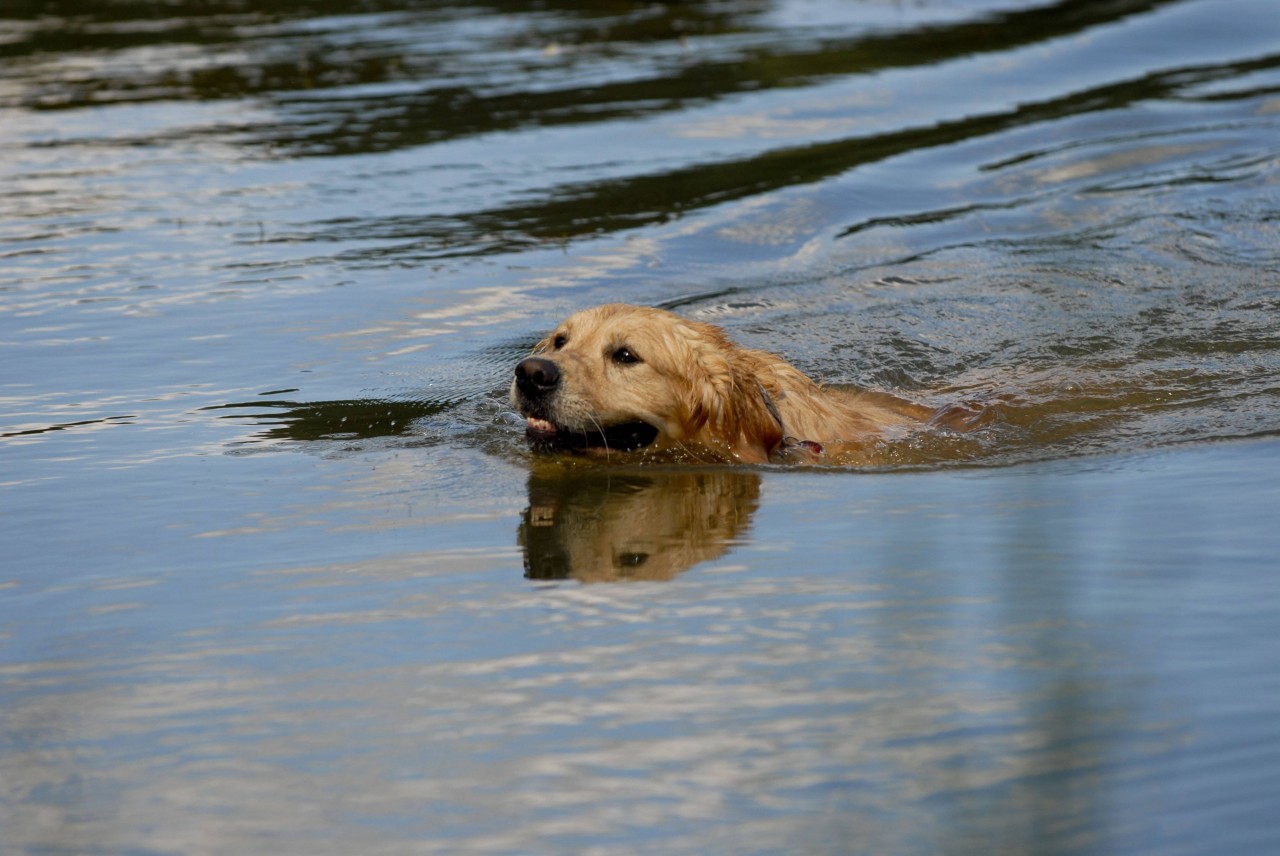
(620, 378)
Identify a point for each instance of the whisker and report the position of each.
(603, 436)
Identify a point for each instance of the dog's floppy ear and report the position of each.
(727, 403)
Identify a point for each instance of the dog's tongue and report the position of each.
(540, 426)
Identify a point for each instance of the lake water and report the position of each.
(280, 576)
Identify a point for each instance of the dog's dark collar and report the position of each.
(771, 407)
(787, 439)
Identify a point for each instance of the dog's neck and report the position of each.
(788, 446)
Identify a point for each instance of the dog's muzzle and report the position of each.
(536, 381)
(536, 377)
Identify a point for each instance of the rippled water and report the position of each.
(281, 577)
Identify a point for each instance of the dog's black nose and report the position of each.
(536, 376)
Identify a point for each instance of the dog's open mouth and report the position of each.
(626, 437)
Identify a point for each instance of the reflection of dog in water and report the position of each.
(620, 378)
(601, 526)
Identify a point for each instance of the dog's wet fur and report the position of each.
(625, 379)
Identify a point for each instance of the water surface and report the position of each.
(280, 575)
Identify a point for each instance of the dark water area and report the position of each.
(281, 576)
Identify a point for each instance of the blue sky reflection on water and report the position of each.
(281, 575)
(1027, 650)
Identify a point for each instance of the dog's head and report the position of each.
(622, 378)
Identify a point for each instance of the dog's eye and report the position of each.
(559, 341)
(624, 356)
(631, 560)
